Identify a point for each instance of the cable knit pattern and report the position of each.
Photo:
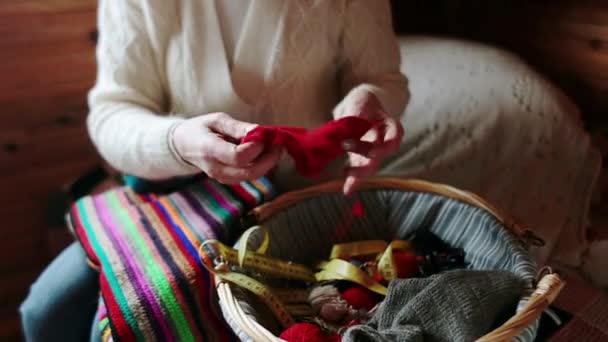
(160, 62)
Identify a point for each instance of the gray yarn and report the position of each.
(460, 305)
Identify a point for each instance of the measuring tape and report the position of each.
(265, 265)
(259, 262)
(286, 303)
(338, 269)
(260, 290)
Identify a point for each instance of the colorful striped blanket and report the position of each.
(153, 284)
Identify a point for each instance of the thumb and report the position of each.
(224, 124)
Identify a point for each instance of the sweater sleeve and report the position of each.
(125, 119)
(370, 58)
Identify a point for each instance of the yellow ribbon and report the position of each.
(359, 248)
(337, 269)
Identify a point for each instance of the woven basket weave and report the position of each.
(547, 288)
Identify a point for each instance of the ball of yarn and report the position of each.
(406, 264)
(334, 311)
(360, 298)
(304, 332)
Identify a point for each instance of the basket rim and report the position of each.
(265, 211)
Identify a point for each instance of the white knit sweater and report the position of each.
(292, 62)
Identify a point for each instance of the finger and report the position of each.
(362, 171)
(393, 132)
(232, 175)
(265, 163)
(350, 183)
(215, 147)
(357, 160)
(224, 124)
(354, 174)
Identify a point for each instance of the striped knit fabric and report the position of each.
(391, 214)
(153, 284)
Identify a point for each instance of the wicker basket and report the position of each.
(547, 288)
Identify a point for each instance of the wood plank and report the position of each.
(21, 7)
(47, 65)
(46, 72)
(43, 146)
(54, 111)
(36, 91)
(33, 29)
(38, 183)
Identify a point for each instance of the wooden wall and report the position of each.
(47, 65)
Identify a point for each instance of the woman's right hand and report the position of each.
(210, 142)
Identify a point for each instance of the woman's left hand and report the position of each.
(378, 143)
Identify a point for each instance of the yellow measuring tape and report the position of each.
(295, 301)
(256, 261)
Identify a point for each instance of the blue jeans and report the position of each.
(62, 303)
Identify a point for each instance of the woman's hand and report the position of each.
(378, 143)
(210, 142)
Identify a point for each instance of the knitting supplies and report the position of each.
(301, 223)
(232, 264)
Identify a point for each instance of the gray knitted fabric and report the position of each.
(460, 305)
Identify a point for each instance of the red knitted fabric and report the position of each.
(303, 332)
(313, 149)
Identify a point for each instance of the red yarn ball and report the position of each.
(406, 264)
(303, 332)
(360, 298)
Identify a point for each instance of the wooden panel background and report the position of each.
(47, 66)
